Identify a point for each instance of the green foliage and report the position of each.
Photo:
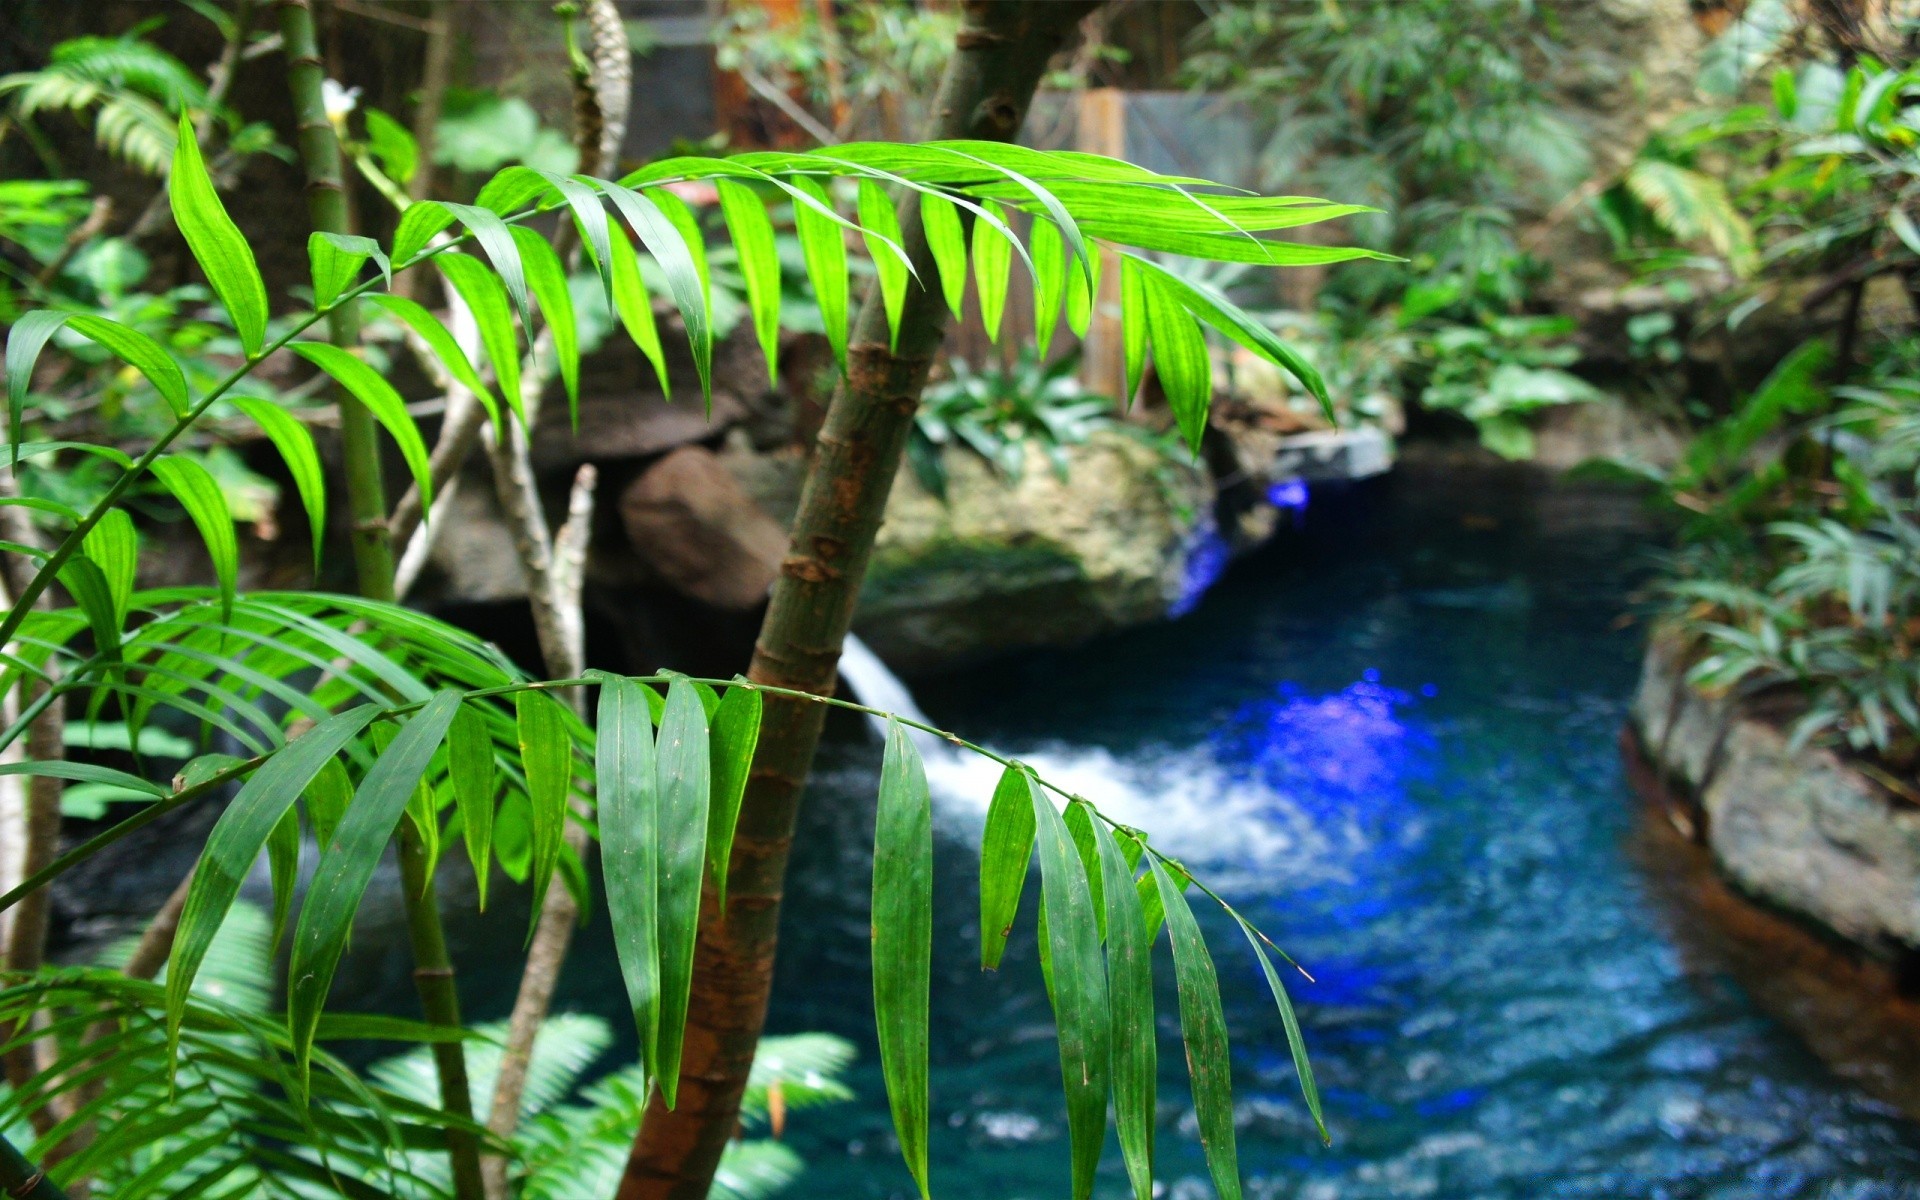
(998, 414)
(1499, 371)
(482, 132)
(351, 709)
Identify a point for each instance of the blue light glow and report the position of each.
(1289, 494)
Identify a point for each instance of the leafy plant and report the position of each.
(1498, 372)
(365, 720)
(998, 414)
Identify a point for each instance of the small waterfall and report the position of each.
(875, 686)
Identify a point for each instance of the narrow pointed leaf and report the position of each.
(628, 794)
(372, 390)
(1130, 1000)
(235, 841)
(24, 343)
(327, 795)
(1080, 823)
(675, 210)
(992, 261)
(1006, 850)
(1049, 280)
(503, 252)
(684, 274)
(83, 578)
(479, 289)
(635, 306)
(150, 358)
(1181, 361)
(470, 767)
(753, 245)
(349, 862)
(423, 220)
(590, 219)
(1203, 1027)
(216, 242)
(825, 251)
(440, 340)
(207, 507)
(736, 735)
(295, 444)
(902, 937)
(1079, 990)
(882, 238)
(79, 772)
(1133, 317)
(548, 279)
(283, 866)
(1231, 320)
(114, 546)
(683, 769)
(1290, 1021)
(1082, 293)
(424, 814)
(947, 240)
(336, 259)
(546, 754)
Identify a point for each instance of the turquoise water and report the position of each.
(1392, 740)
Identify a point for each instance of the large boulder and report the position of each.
(1126, 538)
(1802, 829)
(695, 528)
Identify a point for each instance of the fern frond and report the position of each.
(1694, 206)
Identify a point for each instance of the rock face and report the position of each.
(1801, 830)
(691, 523)
(1125, 539)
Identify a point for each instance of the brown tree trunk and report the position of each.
(1000, 53)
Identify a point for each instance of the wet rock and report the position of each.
(1037, 561)
(693, 525)
(1804, 830)
(1567, 435)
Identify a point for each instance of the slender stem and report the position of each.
(433, 973)
(22, 1180)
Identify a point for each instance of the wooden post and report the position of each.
(1103, 130)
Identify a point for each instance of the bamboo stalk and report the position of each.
(1000, 53)
(22, 1180)
(433, 972)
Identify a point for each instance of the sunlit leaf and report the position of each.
(826, 255)
(1204, 1029)
(216, 242)
(882, 238)
(1079, 990)
(295, 444)
(1130, 998)
(546, 755)
(336, 259)
(992, 261)
(206, 505)
(947, 241)
(371, 389)
(441, 341)
(1006, 850)
(902, 937)
(470, 768)
(683, 768)
(736, 734)
(479, 289)
(548, 279)
(753, 245)
(628, 798)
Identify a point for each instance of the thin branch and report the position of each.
(771, 92)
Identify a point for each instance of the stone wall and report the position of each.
(1801, 829)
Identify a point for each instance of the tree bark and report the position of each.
(1000, 53)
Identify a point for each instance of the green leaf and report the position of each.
(393, 144)
(683, 769)
(24, 342)
(548, 279)
(480, 290)
(216, 242)
(685, 274)
(1231, 320)
(1006, 849)
(635, 306)
(295, 444)
(424, 814)
(590, 219)
(1296, 1043)
(235, 841)
(687, 225)
(628, 798)
(902, 937)
(736, 735)
(1079, 989)
(546, 754)
(882, 238)
(992, 260)
(200, 495)
(327, 795)
(283, 865)
(948, 242)
(381, 400)
(1133, 315)
(1204, 1029)
(1050, 280)
(441, 341)
(1081, 293)
(336, 260)
(497, 240)
(1181, 361)
(114, 546)
(825, 251)
(359, 842)
(470, 766)
(420, 224)
(30, 333)
(753, 245)
(1130, 1000)
(79, 772)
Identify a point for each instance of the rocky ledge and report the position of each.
(1803, 830)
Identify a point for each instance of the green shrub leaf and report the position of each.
(1290, 1021)
(1006, 850)
(947, 240)
(1204, 1029)
(548, 279)
(217, 244)
(1079, 989)
(497, 240)
(295, 444)
(753, 245)
(684, 272)
(992, 261)
(1180, 359)
(628, 800)
(114, 546)
(471, 769)
(736, 735)
(372, 390)
(902, 937)
(1130, 1000)
(197, 492)
(1133, 316)
(825, 251)
(546, 754)
(336, 259)
(683, 769)
(441, 341)
(480, 290)
(635, 306)
(882, 238)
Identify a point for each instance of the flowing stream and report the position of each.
(1392, 740)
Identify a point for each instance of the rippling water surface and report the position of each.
(1392, 741)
